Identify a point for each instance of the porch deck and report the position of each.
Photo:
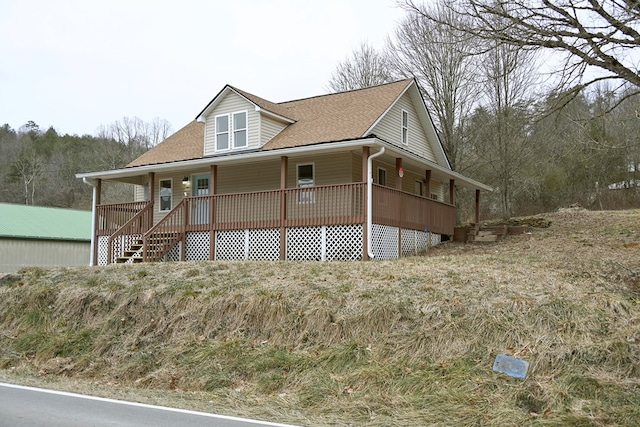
(215, 216)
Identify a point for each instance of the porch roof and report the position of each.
(134, 174)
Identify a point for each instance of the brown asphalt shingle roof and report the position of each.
(327, 118)
(185, 144)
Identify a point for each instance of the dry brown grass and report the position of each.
(405, 342)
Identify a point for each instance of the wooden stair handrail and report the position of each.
(174, 223)
(128, 228)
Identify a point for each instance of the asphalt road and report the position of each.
(34, 407)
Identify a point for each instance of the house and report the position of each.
(46, 237)
(258, 180)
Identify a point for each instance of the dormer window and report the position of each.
(231, 131)
(405, 127)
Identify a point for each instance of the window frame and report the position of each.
(417, 185)
(404, 126)
(378, 180)
(227, 132)
(308, 195)
(160, 188)
(232, 131)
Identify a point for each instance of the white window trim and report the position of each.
(403, 128)
(216, 133)
(231, 131)
(306, 196)
(160, 195)
(234, 130)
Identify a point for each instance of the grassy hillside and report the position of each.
(406, 342)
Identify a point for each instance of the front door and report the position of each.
(200, 187)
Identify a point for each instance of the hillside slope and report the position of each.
(406, 342)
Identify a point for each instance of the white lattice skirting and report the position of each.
(319, 243)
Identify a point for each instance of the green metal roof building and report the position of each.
(41, 236)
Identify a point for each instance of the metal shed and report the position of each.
(43, 236)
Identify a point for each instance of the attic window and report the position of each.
(231, 131)
(405, 127)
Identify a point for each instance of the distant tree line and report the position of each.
(38, 167)
(537, 98)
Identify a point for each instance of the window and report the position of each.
(231, 131)
(165, 195)
(222, 133)
(240, 130)
(434, 196)
(382, 176)
(405, 127)
(305, 180)
(417, 187)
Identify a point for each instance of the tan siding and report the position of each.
(18, 253)
(230, 104)
(390, 129)
(247, 178)
(328, 170)
(269, 128)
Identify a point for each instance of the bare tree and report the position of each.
(592, 34)
(135, 134)
(365, 68)
(27, 168)
(441, 60)
(508, 74)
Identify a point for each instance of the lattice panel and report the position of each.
(197, 246)
(436, 239)
(414, 242)
(384, 241)
(174, 253)
(230, 245)
(103, 250)
(344, 242)
(304, 244)
(264, 244)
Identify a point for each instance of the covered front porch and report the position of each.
(318, 223)
(397, 205)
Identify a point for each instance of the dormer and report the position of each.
(236, 121)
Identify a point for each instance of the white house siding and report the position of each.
(390, 129)
(230, 104)
(269, 128)
(18, 253)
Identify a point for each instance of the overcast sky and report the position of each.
(75, 65)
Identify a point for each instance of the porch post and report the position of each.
(365, 179)
(427, 183)
(152, 188)
(284, 162)
(452, 192)
(212, 212)
(477, 219)
(399, 187)
(97, 193)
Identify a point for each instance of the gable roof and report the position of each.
(334, 117)
(36, 222)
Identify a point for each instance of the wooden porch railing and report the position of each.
(397, 208)
(294, 207)
(130, 231)
(111, 217)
